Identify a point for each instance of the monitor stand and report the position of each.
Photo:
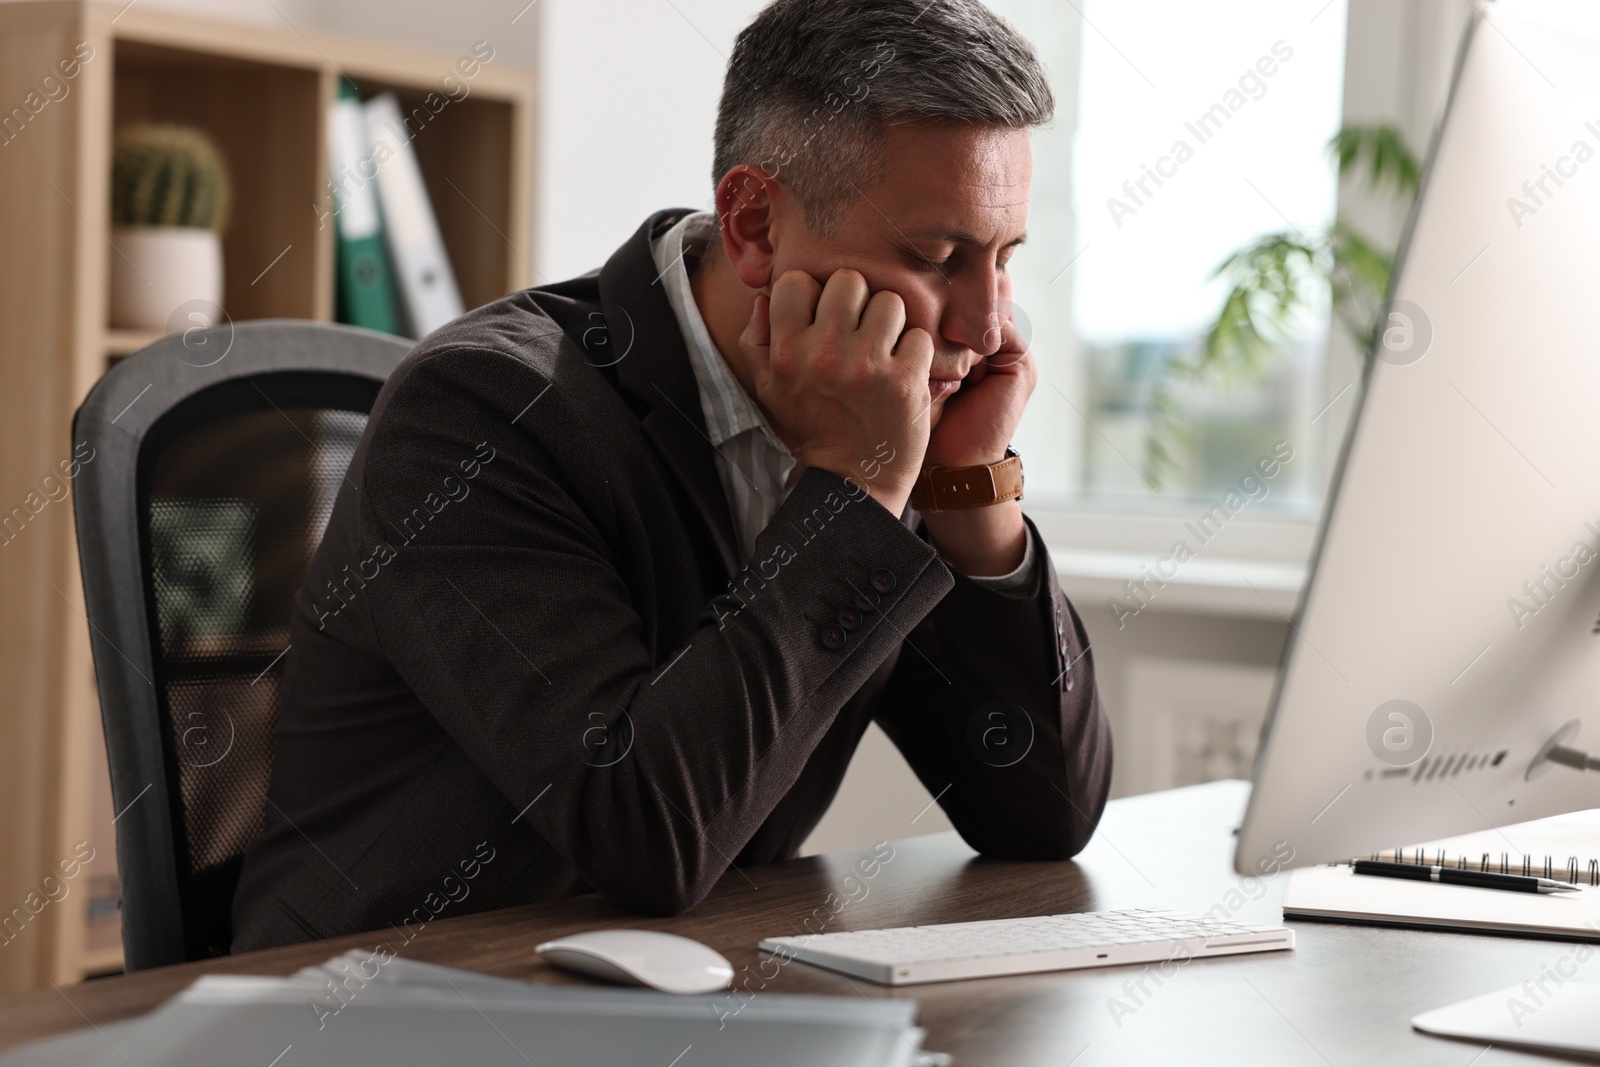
(1557, 750)
(1535, 1015)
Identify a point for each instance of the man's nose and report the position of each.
(975, 315)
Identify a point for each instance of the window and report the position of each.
(1184, 132)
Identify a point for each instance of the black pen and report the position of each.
(1516, 883)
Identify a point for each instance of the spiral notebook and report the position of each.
(1565, 847)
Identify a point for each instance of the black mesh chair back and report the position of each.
(217, 455)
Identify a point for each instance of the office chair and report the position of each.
(217, 454)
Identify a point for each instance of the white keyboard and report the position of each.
(914, 954)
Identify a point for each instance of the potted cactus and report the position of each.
(169, 205)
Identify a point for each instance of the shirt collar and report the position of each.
(728, 409)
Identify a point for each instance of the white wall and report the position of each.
(627, 117)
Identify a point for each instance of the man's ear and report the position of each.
(745, 200)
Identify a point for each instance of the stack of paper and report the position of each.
(359, 1008)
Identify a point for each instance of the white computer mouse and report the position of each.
(666, 962)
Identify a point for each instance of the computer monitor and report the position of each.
(1448, 641)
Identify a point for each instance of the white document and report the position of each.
(354, 198)
(427, 285)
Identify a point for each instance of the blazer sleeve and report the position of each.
(514, 627)
(994, 705)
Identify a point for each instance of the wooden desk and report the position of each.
(1343, 996)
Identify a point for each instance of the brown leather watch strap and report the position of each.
(949, 488)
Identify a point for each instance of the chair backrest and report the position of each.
(216, 458)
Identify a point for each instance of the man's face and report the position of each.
(938, 230)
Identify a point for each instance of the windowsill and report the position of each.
(1248, 566)
(1200, 586)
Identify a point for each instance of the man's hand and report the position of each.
(981, 418)
(840, 382)
(975, 426)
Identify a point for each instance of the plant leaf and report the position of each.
(1388, 159)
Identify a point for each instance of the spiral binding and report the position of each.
(1527, 868)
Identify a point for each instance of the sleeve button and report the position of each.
(832, 636)
(849, 618)
(883, 580)
(866, 600)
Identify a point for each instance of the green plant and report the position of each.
(164, 175)
(1275, 280)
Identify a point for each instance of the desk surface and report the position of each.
(1345, 995)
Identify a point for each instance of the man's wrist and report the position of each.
(980, 542)
(1019, 582)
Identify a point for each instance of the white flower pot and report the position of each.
(155, 270)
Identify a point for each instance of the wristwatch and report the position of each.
(948, 488)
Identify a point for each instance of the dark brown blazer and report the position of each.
(526, 661)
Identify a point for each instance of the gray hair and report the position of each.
(813, 85)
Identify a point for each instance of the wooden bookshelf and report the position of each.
(263, 94)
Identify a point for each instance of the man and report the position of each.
(624, 566)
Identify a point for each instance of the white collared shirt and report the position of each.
(757, 469)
